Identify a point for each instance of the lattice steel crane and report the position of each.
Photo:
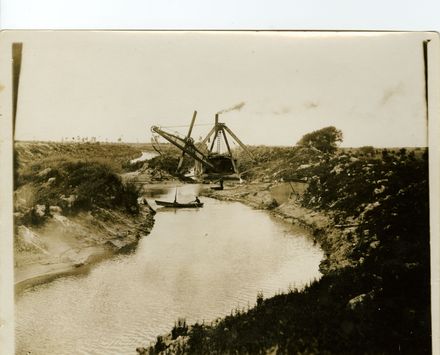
(209, 164)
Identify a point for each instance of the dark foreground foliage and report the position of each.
(318, 320)
(378, 305)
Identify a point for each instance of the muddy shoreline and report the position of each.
(120, 235)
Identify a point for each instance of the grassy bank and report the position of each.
(41, 154)
(72, 208)
(374, 296)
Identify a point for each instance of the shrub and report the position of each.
(93, 184)
(160, 345)
(260, 298)
(168, 162)
(180, 328)
(367, 150)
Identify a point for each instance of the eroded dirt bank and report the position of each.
(73, 207)
(69, 245)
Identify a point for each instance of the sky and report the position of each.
(112, 85)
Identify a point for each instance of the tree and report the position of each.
(324, 139)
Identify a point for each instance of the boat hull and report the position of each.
(179, 205)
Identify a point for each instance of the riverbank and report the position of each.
(370, 214)
(68, 245)
(73, 208)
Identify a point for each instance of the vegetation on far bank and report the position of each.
(169, 161)
(36, 155)
(82, 176)
(380, 302)
(71, 178)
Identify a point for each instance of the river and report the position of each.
(198, 264)
(145, 156)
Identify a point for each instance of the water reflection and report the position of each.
(197, 263)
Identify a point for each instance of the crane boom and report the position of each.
(185, 146)
(187, 140)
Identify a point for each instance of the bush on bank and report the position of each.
(169, 161)
(78, 186)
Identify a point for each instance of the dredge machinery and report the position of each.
(210, 163)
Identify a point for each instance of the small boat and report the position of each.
(176, 204)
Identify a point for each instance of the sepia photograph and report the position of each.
(219, 192)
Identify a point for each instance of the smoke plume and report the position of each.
(237, 107)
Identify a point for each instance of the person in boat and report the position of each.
(197, 200)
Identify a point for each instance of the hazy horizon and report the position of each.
(250, 145)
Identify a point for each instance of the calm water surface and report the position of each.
(198, 264)
(145, 156)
